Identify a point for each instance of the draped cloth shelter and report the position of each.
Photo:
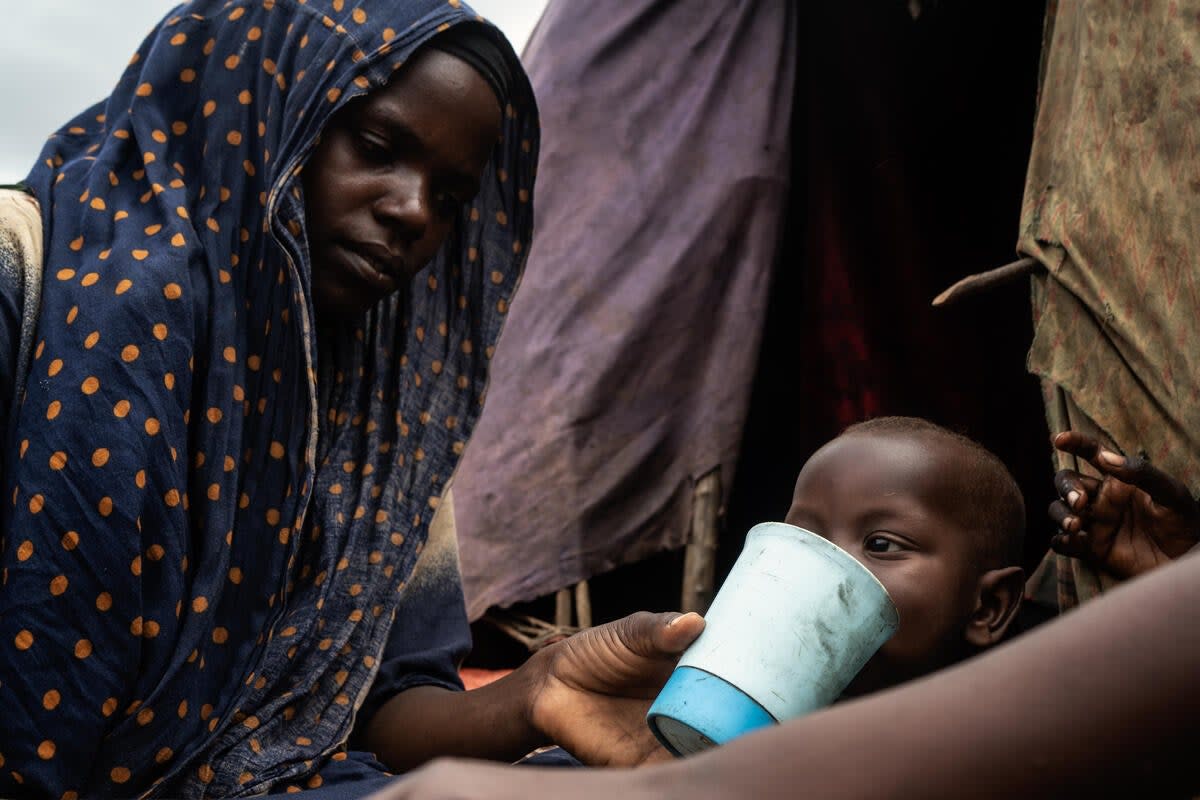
(625, 371)
(1111, 211)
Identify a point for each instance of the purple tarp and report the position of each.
(624, 372)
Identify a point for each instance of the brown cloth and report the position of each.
(625, 368)
(1111, 210)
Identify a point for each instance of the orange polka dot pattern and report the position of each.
(195, 485)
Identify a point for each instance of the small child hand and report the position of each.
(1127, 522)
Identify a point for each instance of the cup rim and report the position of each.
(821, 541)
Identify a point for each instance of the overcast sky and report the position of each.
(57, 57)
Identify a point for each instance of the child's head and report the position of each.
(939, 521)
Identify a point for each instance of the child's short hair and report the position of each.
(991, 500)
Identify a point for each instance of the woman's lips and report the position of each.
(365, 265)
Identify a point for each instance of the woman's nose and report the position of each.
(404, 205)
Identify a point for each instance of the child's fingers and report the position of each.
(1163, 489)
(1083, 446)
(1076, 489)
(1064, 517)
(1074, 545)
(1058, 543)
(1077, 444)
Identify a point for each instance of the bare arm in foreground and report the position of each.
(1104, 699)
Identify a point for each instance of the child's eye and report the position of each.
(882, 544)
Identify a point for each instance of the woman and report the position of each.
(276, 261)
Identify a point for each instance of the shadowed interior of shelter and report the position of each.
(910, 144)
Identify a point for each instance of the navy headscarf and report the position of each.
(211, 518)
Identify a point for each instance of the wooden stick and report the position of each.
(583, 605)
(973, 284)
(699, 562)
(530, 631)
(562, 608)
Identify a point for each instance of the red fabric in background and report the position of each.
(912, 140)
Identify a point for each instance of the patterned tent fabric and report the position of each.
(1110, 210)
(212, 509)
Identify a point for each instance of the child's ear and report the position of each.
(1000, 592)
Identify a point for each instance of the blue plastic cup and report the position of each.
(794, 622)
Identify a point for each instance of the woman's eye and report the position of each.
(882, 544)
(371, 147)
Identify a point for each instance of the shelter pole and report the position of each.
(562, 608)
(583, 605)
(699, 563)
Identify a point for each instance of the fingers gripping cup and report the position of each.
(792, 625)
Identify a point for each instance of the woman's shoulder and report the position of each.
(20, 287)
(20, 234)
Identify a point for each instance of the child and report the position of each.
(927, 510)
(938, 520)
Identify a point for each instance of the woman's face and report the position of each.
(391, 173)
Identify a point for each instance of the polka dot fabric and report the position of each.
(210, 515)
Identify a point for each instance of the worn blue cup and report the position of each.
(794, 622)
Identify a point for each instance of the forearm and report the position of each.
(1080, 703)
(427, 722)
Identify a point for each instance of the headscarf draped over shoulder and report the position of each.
(204, 542)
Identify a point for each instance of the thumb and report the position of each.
(678, 631)
(663, 635)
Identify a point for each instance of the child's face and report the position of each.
(887, 499)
